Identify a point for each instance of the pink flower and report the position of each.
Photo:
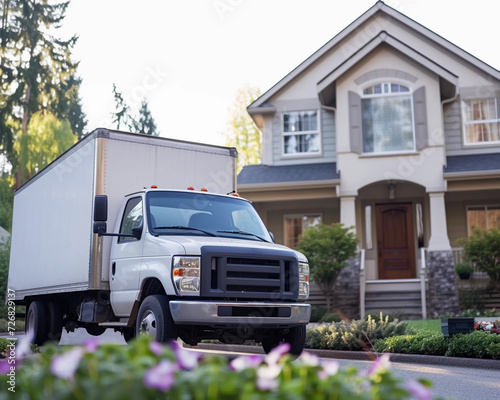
(266, 377)
(245, 362)
(4, 366)
(380, 364)
(275, 354)
(161, 376)
(91, 345)
(330, 368)
(64, 366)
(24, 345)
(156, 348)
(309, 359)
(186, 359)
(419, 391)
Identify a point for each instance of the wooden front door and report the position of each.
(395, 241)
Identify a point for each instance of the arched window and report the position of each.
(387, 118)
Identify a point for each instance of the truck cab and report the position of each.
(203, 266)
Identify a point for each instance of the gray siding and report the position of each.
(453, 134)
(452, 127)
(328, 141)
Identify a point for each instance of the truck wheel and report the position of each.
(296, 337)
(36, 323)
(55, 321)
(154, 319)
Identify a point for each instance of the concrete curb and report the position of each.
(367, 356)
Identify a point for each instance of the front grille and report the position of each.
(242, 273)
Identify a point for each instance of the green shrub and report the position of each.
(474, 344)
(356, 335)
(19, 324)
(330, 317)
(147, 370)
(317, 313)
(482, 249)
(423, 342)
(494, 350)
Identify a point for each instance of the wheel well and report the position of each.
(151, 286)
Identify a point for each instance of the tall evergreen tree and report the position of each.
(145, 123)
(37, 74)
(123, 118)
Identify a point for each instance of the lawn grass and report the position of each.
(426, 324)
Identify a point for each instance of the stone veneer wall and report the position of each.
(442, 297)
(346, 291)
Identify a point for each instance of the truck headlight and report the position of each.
(303, 281)
(186, 275)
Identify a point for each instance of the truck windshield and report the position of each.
(185, 213)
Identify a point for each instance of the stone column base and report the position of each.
(442, 295)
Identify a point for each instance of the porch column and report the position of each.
(348, 211)
(439, 232)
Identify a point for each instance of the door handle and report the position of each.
(113, 268)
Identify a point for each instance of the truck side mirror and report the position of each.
(101, 208)
(100, 214)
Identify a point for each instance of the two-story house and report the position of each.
(395, 131)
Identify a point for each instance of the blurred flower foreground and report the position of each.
(145, 369)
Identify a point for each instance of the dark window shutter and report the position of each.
(420, 115)
(355, 122)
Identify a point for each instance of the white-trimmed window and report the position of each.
(387, 118)
(301, 133)
(483, 217)
(481, 121)
(296, 225)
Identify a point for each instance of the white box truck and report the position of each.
(145, 234)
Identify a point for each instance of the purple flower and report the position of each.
(156, 348)
(266, 376)
(419, 391)
(161, 376)
(309, 359)
(244, 362)
(275, 354)
(4, 367)
(380, 364)
(64, 365)
(330, 368)
(91, 345)
(186, 359)
(24, 345)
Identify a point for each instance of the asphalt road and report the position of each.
(453, 378)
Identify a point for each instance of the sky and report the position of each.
(188, 58)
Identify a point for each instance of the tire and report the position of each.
(55, 322)
(37, 323)
(128, 334)
(296, 337)
(154, 319)
(95, 330)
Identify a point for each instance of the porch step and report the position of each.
(406, 304)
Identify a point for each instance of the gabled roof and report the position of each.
(281, 174)
(255, 107)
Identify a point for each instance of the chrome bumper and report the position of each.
(224, 313)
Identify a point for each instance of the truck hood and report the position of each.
(191, 245)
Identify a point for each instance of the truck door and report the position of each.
(126, 259)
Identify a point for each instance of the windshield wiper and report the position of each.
(187, 228)
(246, 234)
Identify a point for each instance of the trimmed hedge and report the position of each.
(472, 345)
